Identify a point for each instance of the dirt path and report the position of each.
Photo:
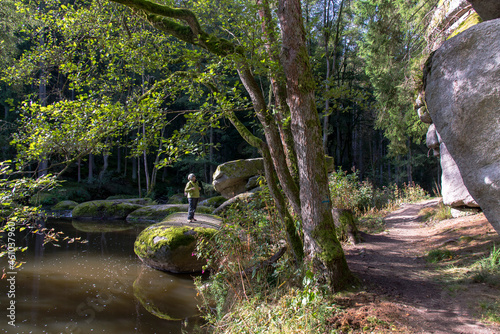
(392, 267)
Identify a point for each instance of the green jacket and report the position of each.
(193, 193)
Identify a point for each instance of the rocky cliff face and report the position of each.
(449, 19)
(462, 94)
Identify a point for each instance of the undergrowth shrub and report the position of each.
(348, 192)
(245, 295)
(438, 255)
(247, 237)
(487, 270)
(432, 214)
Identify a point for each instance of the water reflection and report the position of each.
(98, 287)
(163, 296)
(96, 226)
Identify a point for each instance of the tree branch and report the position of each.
(162, 17)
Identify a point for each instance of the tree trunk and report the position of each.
(139, 175)
(146, 172)
(211, 156)
(134, 168)
(118, 159)
(154, 172)
(321, 246)
(79, 164)
(104, 167)
(91, 168)
(409, 166)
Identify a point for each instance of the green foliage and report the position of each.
(17, 217)
(246, 238)
(293, 311)
(68, 129)
(487, 270)
(431, 214)
(393, 39)
(491, 311)
(348, 192)
(439, 255)
(11, 21)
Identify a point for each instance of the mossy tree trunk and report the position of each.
(321, 246)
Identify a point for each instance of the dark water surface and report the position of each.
(98, 287)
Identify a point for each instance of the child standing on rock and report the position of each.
(192, 191)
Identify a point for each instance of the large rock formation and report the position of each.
(449, 19)
(462, 93)
(231, 178)
(487, 9)
(453, 190)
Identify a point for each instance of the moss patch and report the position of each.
(154, 213)
(472, 20)
(156, 236)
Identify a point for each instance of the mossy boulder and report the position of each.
(214, 202)
(104, 209)
(231, 178)
(140, 201)
(241, 199)
(72, 193)
(171, 248)
(65, 205)
(77, 194)
(156, 213)
(177, 199)
(123, 196)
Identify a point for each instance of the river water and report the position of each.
(97, 287)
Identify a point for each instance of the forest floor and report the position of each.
(405, 293)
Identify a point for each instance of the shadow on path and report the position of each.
(389, 266)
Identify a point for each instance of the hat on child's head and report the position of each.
(190, 176)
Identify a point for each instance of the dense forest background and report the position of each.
(96, 95)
